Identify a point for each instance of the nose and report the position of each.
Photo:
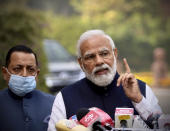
(24, 72)
(99, 60)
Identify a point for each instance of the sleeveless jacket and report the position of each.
(85, 94)
(28, 113)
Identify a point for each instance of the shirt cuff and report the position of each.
(143, 108)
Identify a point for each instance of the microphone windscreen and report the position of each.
(97, 126)
(87, 117)
(74, 118)
(105, 119)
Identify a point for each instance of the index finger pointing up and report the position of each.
(127, 68)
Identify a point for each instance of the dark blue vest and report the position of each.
(28, 113)
(85, 94)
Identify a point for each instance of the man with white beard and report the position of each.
(102, 87)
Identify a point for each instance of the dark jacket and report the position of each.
(28, 113)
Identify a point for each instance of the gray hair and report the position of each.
(86, 35)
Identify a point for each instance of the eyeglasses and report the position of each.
(91, 57)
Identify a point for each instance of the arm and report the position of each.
(58, 112)
(148, 105)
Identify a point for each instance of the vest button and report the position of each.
(26, 119)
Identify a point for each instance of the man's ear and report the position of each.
(5, 73)
(38, 71)
(115, 52)
(80, 62)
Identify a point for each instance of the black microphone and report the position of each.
(97, 126)
(152, 121)
(123, 124)
(81, 113)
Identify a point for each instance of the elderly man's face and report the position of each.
(98, 59)
(23, 64)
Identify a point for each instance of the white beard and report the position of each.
(102, 80)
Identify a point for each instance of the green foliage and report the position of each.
(66, 30)
(22, 26)
(135, 27)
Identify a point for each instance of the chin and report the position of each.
(103, 80)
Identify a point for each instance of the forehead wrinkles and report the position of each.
(20, 58)
(99, 50)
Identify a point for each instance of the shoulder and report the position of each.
(3, 91)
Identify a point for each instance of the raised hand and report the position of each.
(130, 84)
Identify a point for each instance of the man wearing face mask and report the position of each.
(102, 87)
(22, 107)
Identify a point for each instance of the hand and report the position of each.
(130, 84)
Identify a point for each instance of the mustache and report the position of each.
(104, 66)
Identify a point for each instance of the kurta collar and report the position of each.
(28, 95)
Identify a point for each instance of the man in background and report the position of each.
(22, 107)
(159, 67)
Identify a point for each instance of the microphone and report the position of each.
(124, 117)
(65, 125)
(74, 118)
(152, 121)
(97, 126)
(138, 123)
(90, 119)
(105, 119)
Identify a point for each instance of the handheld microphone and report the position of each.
(74, 118)
(152, 121)
(138, 123)
(105, 119)
(65, 125)
(124, 117)
(89, 119)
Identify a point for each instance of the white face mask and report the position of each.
(20, 85)
(102, 80)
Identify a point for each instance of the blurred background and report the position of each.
(140, 30)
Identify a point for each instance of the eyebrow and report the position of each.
(100, 50)
(19, 65)
(103, 49)
(88, 53)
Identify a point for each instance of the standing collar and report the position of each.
(13, 95)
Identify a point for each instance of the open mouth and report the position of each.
(101, 71)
